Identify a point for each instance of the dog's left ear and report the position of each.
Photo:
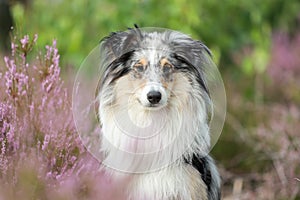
(191, 50)
(197, 57)
(194, 54)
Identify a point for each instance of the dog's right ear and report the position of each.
(119, 43)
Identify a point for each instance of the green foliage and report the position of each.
(225, 26)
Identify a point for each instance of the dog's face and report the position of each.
(154, 71)
(153, 96)
(153, 74)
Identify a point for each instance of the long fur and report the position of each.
(175, 135)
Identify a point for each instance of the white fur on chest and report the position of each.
(171, 179)
(176, 182)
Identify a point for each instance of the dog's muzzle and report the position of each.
(153, 96)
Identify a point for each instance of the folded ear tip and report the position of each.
(208, 51)
(119, 43)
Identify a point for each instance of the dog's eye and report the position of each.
(139, 67)
(167, 68)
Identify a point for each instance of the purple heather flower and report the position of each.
(3, 159)
(36, 125)
(13, 48)
(46, 142)
(24, 41)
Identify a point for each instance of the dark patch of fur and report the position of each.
(202, 165)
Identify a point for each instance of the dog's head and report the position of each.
(153, 94)
(154, 70)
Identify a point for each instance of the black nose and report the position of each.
(154, 97)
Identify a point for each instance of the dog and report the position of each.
(154, 109)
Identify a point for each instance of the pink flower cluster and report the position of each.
(6, 134)
(16, 79)
(39, 146)
(51, 69)
(285, 59)
(276, 135)
(279, 139)
(35, 111)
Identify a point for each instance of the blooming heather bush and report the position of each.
(41, 156)
(278, 138)
(270, 160)
(284, 68)
(35, 111)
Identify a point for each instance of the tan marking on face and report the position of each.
(143, 62)
(164, 61)
(140, 66)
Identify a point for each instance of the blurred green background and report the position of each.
(225, 26)
(254, 43)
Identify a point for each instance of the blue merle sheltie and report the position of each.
(154, 110)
